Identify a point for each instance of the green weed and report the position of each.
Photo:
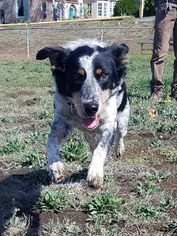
(70, 227)
(12, 146)
(36, 136)
(16, 224)
(167, 204)
(156, 143)
(171, 155)
(148, 211)
(75, 150)
(172, 225)
(147, 188)
(102, 204)
(34, 159)
(6, 120)
(157, 175)
(54, 200)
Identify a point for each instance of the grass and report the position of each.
(139, 189)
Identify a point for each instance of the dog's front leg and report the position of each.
(95, 173)
(59, 132)
(122, 125)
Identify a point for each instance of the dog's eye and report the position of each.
(100, 74)
(76, 76)
(79, 75)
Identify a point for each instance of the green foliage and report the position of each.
(75, 150)
(148, 211)
(34, 137)
(70, 227)
(102, 204)
(156, 143)
(12, 146)
(126, 7)
(34, 158)
(149, 8)
(6, 120)
(157, 175)
(20, 224)
(171, 155)
(167, 204)
(171, 225)
(147, 188)
(54, 200)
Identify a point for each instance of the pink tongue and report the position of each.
(90, 123)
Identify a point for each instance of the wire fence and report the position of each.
(24, 42)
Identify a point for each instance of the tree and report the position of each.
(149, 8)
(126, 7)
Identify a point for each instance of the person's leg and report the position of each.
(164, 24)
(174, 83)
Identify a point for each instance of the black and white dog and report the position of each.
(90, 95)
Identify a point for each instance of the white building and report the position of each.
(99, 8)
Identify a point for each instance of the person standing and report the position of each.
(165, 28)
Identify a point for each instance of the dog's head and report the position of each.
(87, 72)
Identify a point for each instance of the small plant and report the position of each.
(98, 220)
(172, 225)
(167, 204)
(74, 150)
(6, 120)
(70, 227)
(148, 211)
(107, 178)
(17, 224)
(157, 175)
(171, 155)
(147, 188)
(103, 204)
(46, 115)
(33, 137)
(35, 159)
(11, 146)
(54, 200)
(156, 143)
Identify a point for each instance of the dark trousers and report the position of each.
(165, 27)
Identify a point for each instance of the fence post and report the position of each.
(27, 43)
(141, 8)
(102, 35)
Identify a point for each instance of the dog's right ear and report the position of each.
(56, 56)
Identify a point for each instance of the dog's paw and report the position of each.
(120, 150)
(56, 171)
(95, 178)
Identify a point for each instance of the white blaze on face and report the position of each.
(90, 92)
(86, 62)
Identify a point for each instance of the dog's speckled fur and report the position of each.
(90, 95)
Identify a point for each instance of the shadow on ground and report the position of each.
(20, 191)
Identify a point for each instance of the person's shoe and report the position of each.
(156, 93)
(173, 94)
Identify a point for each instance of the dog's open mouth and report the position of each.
(90, 123)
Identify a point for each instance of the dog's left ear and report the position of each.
(119, 52)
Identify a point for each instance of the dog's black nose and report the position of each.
(91, 108)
